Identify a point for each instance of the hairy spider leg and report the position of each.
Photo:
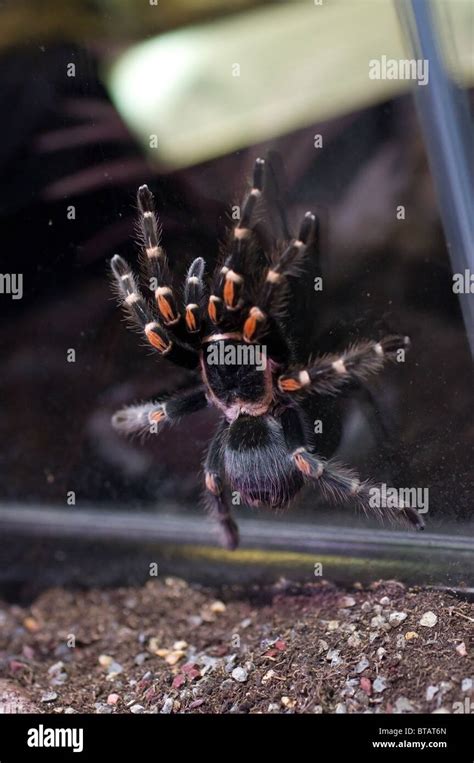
(327, 374)
(156, 260)
(147, 418)
(228, 291)
(194, 296)
(214, 496)
(139, 311)
(338, 483)
(275, 283)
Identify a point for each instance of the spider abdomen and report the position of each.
(257, 463)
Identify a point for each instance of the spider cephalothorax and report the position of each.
(237, 337)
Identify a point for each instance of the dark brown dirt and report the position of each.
(173, 647)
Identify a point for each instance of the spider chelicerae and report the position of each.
(236, 334)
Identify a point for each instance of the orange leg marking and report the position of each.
(190, 319)
(155, 339)
(167, 307)
(229, 293)
(289, 384)
(157, 416)
(255, 317)
(302, 464)
(212, 484)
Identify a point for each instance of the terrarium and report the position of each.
(298, 266)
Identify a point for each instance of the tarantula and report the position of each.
(240, 339)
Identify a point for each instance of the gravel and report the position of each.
(170, 647)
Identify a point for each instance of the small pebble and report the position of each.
(102, 708)
(49, 696)
(208, 663)
(112, 699)
(137, 709)
(218, 607)
(341, 708)
(354, 640)
(178, 681)
(362, 665)
(114, 669)
(445, 686)
(174, 655)
(430, 692)
(167, 706)
(377, 621)
(196, 703)
(384, 601)
(31, 624)
(396, 618)
(347, 601)
(410, 635)
(350, 687)
(461, 649)
(334, 656)
(380, 684)
(229, 660)
(239, 674)
(466, 684)
(429, 619)
(56, 668)
(403, 705)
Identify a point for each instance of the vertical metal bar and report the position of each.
(445, 121)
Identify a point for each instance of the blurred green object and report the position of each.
(207, 90)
